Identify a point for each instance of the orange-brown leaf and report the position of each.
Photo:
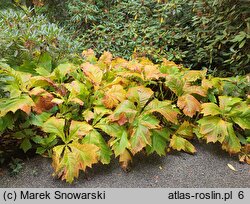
(44, 103)
(113, 96)
(189, 104)
(152, 72)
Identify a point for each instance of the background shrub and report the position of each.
(24, 36)
(212, 33)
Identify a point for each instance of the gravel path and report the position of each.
(206, 169)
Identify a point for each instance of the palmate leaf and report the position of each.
(44, 100)
(125, 112)
(79, 129)
(24, 103)
(189, 104)
(231, 142)
(140, 135)
(113, 96)
(226, 103)
(119, 141)
(61, 71)
(159, 139)
(213, 128)
(68, 160)
(185, 130)
(179, 143)
(193, 75)
(106, 59)
(195, 90)
(164, 108)
(55, 126)
(152, 72)
(175, 84)
(125, 159)
(93, 73)
(240, 114)
(210, 109)
(94, 137)
(139, 95)
(78, 92)
(6, 122)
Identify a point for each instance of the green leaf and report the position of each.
(175, 84)
(119, 141)
(24, 103)
(210, 109)
(213, 128)
(241, 115)
(6, 121)
(61, 71)
(42, 71)
(45, 62)
(226, 103)
(140, 134)
(94, 137)
(25, 145)
(179, 143)
(159, 138)
(38, 120)
(99, 112)
(231, 142)
(40, 150)
(185, 130)
(55, 126)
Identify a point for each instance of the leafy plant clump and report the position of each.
(83, 114)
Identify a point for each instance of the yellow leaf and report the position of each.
(179, 143)
(193, 75)
(68, 160)
(57, 101)
(93, 73)
(124, 159)
(106, 58)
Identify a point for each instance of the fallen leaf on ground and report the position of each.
(231, 167)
